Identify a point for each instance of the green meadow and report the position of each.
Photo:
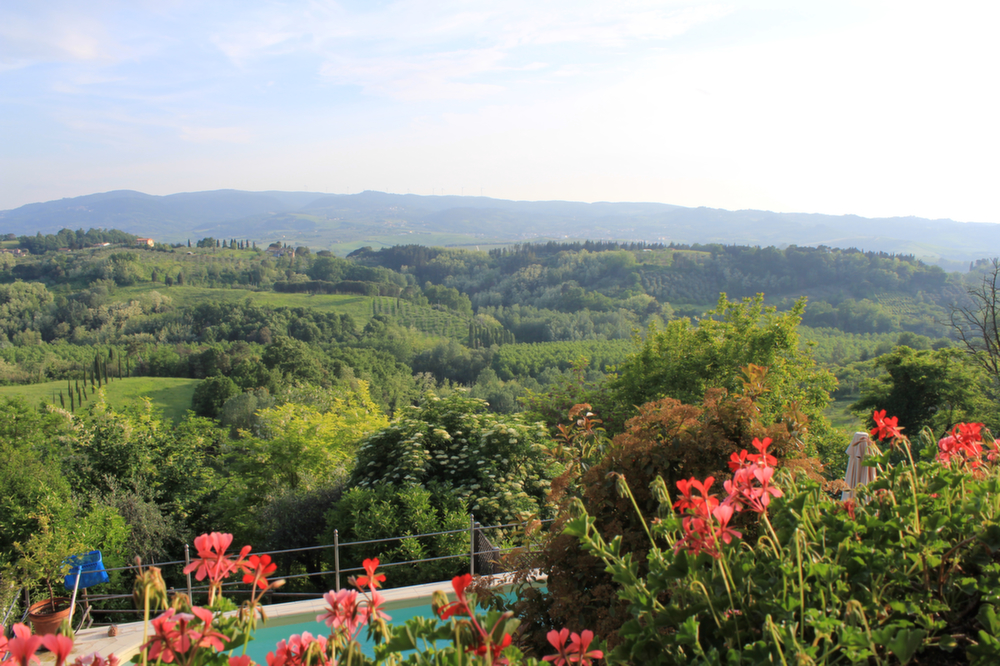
(170, 395)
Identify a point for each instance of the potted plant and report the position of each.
(42, 561)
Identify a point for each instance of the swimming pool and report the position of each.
(266, 637)
(284, 620)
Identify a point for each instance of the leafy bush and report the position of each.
(385, 511)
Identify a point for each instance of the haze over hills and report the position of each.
(344, 222)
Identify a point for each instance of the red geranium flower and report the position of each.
(763, 458)
(372, 579)
(258, 568)
(58, 645)
(461, 605)
(885, 428)
(23, 646)
(578, 648)
(558, 640)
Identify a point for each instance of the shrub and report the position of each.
(385, 511)
(497, 464)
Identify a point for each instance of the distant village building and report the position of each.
(145, 241)
(275, 250)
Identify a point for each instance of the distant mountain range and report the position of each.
(344, 222)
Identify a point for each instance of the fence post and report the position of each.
(187, 561)
(472, 544)
(479, 545)
(336, 558)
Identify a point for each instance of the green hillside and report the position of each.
(183, 297)
(171, 395)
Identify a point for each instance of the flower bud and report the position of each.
(149, 584)
(438, 601)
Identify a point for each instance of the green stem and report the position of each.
(770, 529)
(802, 587)
(777, 639)
(913, 483)
(623, 486)
(145, 623)
(726, 575)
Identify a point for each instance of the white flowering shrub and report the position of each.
(496, 463)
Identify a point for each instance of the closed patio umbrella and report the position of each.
(857, 474)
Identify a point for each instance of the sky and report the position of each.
(874, 108)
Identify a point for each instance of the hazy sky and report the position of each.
(874, 108)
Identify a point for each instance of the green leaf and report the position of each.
(906, 643)
(687, 632)
(987, 617)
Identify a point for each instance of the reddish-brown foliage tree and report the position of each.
(669, 439)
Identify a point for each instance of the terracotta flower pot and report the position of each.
(43, 620)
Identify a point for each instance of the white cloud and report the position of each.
(420, 50)
(55, 33)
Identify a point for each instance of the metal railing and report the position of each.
(484, 558)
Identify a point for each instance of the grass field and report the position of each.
(841, 417)
(170, 395)
(359, 307)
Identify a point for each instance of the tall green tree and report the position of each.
(683, 360)
(929, 388)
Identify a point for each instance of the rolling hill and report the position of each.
(344, 222)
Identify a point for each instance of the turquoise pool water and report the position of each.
(268, 636)
(400, 610)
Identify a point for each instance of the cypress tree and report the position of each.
(62, 400)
